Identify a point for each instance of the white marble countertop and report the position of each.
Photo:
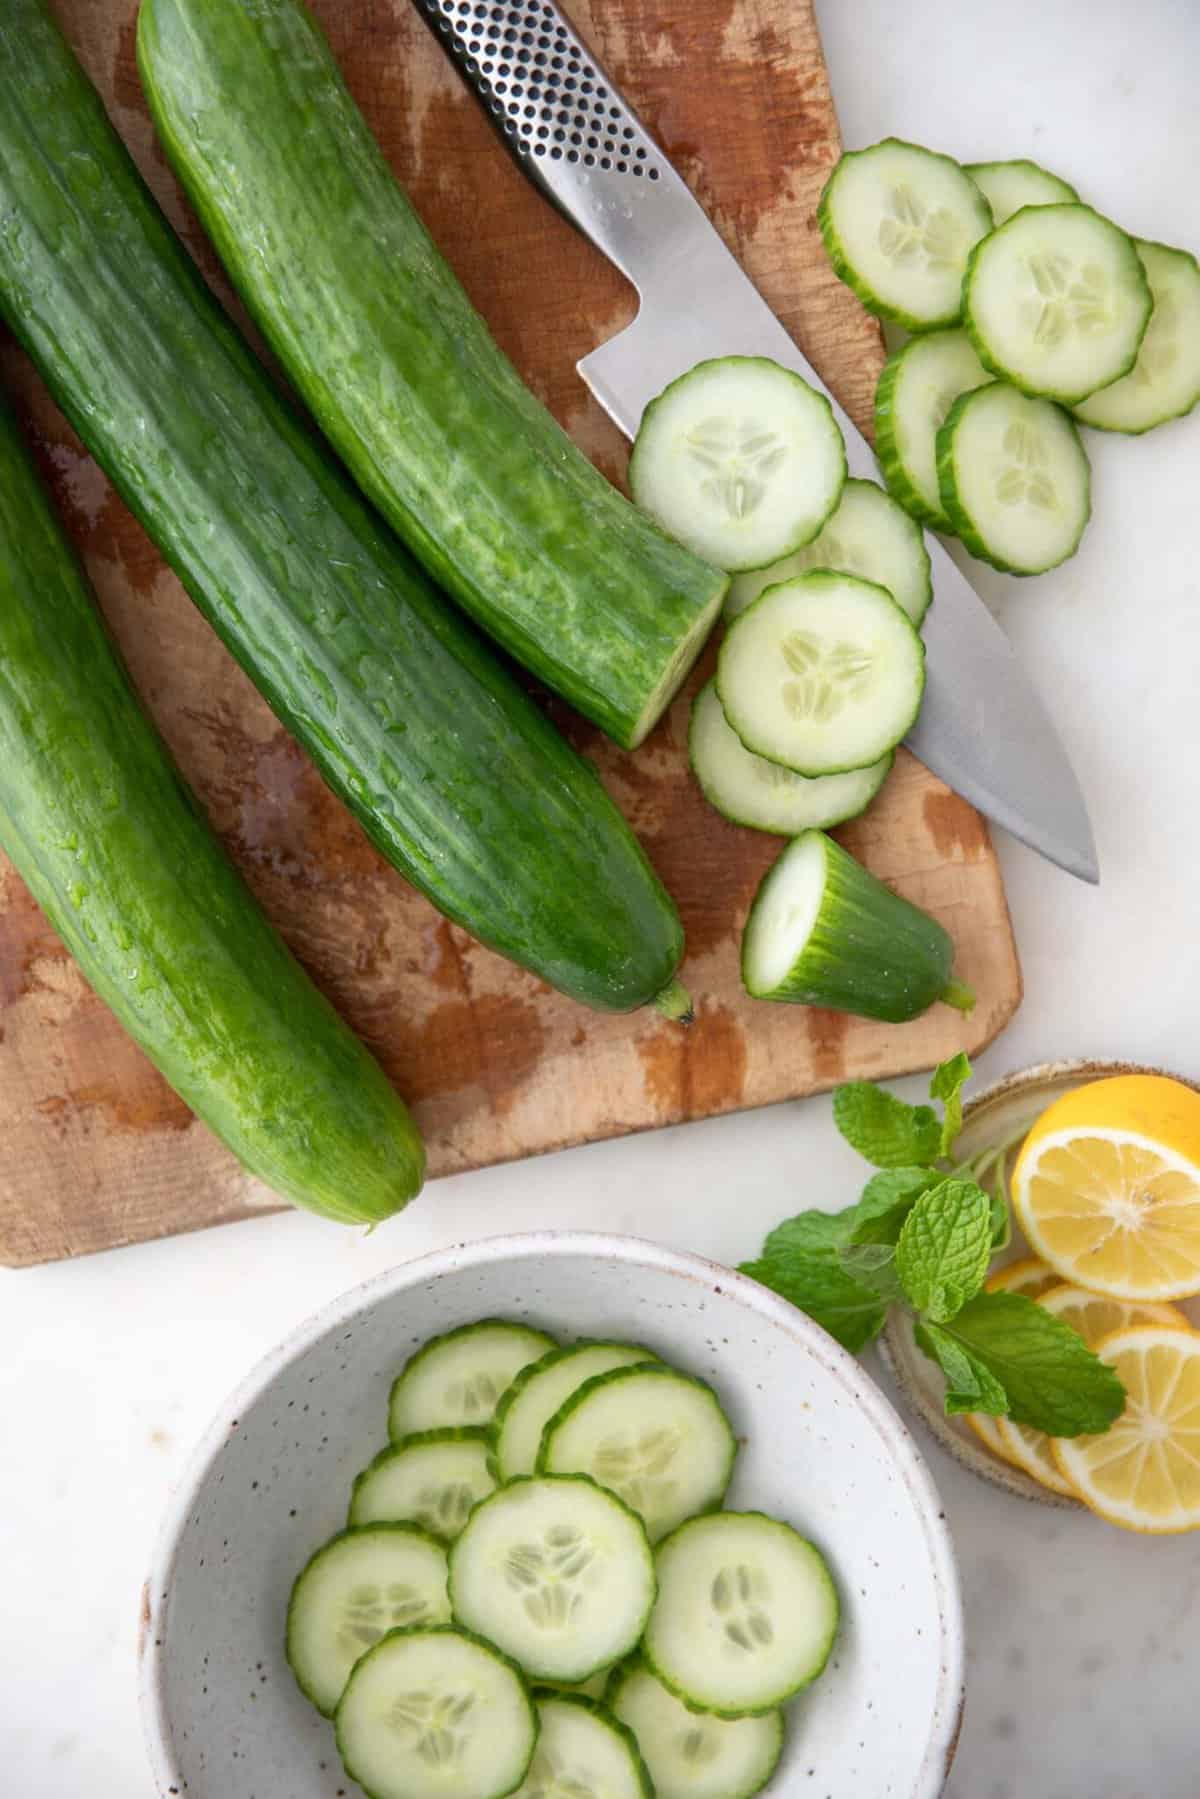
(1084, 1643)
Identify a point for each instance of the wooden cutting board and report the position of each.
(95, 1149)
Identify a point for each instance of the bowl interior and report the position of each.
(820, 1447)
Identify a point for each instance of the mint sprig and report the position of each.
(921, 1235)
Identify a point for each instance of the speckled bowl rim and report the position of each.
(894, 1433)
(893, 1346)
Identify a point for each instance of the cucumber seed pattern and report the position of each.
(431, 1724)
(548, 1575)
(551, 1777)
(736, 457)
(829, 677)
(1023, 479)
(637, 1468)
(371, 1611)
(1065, 299)
(1160, 346)
(473, 1399)
(699, 1745)
(739, 1595)
(444, 1507)
(912, 233)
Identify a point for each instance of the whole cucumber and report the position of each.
(116, 852)
(426, 411)
(456, 775)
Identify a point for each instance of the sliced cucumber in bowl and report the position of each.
(823, 673)
(1015, 480)
(433, 1478)
(690, 1755)
(1057, 302)
(824, 932)
(540, 1390)
(919, 384)
(583, 1752)
(868, 535)
(1164, 382)
(899, 222)
(740, 460)
(749, 790)
(459, 1378)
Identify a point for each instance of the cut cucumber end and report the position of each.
(675, 1003)
(740, 460)
(680, 666)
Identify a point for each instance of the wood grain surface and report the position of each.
(95, 1149)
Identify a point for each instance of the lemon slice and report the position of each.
(1144, 1472)
(1030, 1276)
(1095, 1317)
(1107, 1187)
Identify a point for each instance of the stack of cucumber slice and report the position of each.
(538, 1594)
(821, 672)
(1031, 312)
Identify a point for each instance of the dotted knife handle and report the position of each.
(545, 91)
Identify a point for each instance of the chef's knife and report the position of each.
(982, 727)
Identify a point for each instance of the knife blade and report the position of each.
(983, 728)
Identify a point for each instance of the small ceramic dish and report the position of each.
(999, 1114)
(820, 1445)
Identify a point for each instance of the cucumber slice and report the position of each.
(1057, 302)
(824, 673)
(740, 460)
(356, 1588)
(595, 1688)
(745, 1616)
(868, 534)
(458, 1378)
(1007, 186)
(691, 1755)
(1014, 478)
(1164, 382)
(655, 1437)
(824, 932)
(583, 1752)
(557, 1572)
(899, 222)
(430, 1714)
(749, 790)
(539, 1391)
(435, 1478)
(917, 388)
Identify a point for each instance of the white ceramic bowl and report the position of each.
(820, 1447)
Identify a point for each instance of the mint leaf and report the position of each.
(817, 1285)
(874, 1266)
(1053, 1381)
(887, 1199)
(970, 1387)
(883, 1128)
(811, 1233)
(944, 1248)
(949, 1079)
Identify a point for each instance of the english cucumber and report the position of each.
(428, 414)
(455, 774)
(824, 932)
(116, 852)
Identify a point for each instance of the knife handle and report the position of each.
(568, 127)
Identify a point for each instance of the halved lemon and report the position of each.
(1095, 1316)
(1144, 1472)
(1107, 1187)
(1030, 1276)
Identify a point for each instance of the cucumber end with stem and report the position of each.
(675, 1003)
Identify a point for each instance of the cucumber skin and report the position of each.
(981, 350)
(458, 778)
(1164, 418)
(118, 855)
(401, 373)
(902, 958)
(453, 1630)
(845, 271)
(597, 1708)
(524, 1375)
(961, 521)
(887, 453)
(351, 1530)
(779, 1699)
